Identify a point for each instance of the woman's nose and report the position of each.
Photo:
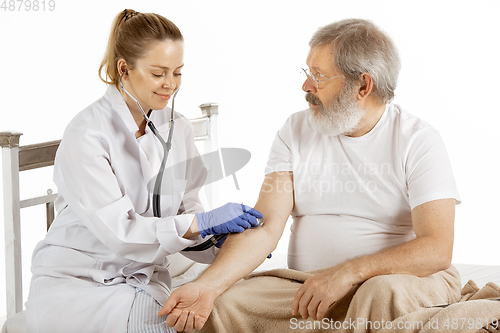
(169, 82)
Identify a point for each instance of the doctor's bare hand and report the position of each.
(320, 291)
(189, 306)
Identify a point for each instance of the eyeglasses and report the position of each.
(313, 77)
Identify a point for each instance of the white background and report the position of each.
(246, 56)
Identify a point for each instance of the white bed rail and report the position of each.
(9, 142)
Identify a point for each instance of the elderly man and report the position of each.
(370, 189)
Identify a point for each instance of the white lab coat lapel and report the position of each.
(148, 155)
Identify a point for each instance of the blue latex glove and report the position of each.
(227, 219)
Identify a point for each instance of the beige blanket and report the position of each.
(262, 303)
(478, 310)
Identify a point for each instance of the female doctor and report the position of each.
(102, 266)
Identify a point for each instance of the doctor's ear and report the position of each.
(122, 67)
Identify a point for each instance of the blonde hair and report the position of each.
(132, 34)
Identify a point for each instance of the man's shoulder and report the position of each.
(408, 124)
(297, 120)
(297, 117)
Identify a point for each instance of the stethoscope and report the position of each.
(166, 148)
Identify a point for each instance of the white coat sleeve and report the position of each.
(92, 190)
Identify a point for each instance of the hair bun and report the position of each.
(129, 13)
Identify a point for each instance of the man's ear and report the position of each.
(366, 86)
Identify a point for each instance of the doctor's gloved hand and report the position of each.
(227, 219)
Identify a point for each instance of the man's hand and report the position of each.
(322, 290)
(189, 306)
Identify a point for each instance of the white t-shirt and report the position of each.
(354, 195)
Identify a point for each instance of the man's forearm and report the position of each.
(420, 257)
(429, 253)
(239, 256)
(242, 253)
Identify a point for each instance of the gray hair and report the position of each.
(361, 47)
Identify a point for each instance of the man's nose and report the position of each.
(308, 86)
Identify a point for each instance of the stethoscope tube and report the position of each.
(166, 148)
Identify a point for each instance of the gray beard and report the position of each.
(343, 116)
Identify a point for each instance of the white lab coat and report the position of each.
(105, 240)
